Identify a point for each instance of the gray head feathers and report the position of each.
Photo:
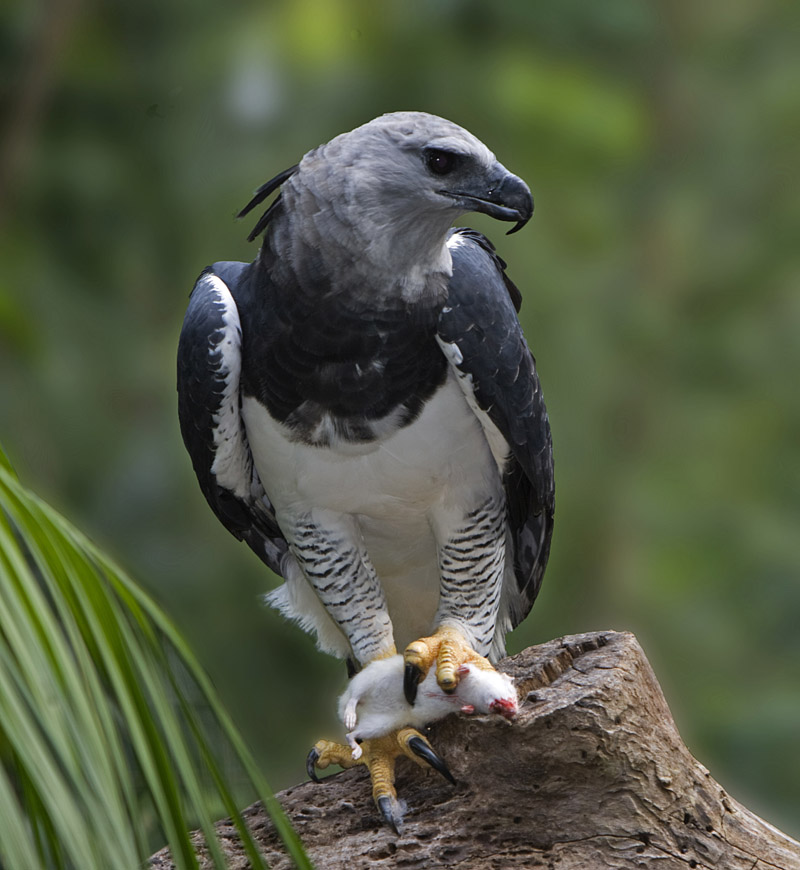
(384, 195)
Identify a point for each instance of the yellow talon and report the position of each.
(379, 755)
(326, 752)
(447, 647)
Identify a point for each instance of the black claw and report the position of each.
(311, 760)
(411, 678)
(424, 751)
(385, 806)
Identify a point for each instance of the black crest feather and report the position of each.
(260, 195)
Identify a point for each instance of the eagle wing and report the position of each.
(481, 335)
(209, 370)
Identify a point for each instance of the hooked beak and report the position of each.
(502, 195)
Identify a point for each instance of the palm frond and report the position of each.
(102, 746)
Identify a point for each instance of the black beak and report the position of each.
(502, 196)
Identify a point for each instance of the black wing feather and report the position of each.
(480, 319)
(209, 359)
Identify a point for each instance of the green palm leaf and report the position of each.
(102, 746)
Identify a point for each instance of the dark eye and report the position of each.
(441, 162)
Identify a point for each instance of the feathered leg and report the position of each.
(331, 555)
(472, 565)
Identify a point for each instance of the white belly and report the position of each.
(396, 479)
(403, 491)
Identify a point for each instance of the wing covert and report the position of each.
(209, 371)
(481, 335)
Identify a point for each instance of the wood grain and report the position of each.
(591, 774)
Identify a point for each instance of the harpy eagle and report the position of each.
(361, 408)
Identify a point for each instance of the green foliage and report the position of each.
(102, 746)
(660, 279)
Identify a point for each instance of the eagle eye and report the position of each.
(441, 162)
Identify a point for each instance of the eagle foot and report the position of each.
(446, 648)
(379, 755)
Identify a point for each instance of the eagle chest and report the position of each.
(339, 371)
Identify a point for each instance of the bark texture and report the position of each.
(591, 774)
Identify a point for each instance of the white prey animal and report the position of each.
(374, 704)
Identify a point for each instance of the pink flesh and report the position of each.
(505, 707)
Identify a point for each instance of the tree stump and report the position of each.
(592, 774)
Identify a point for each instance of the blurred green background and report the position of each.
(662, 299)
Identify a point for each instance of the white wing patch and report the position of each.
(233, 464)
(456, 240)
(497, 443)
